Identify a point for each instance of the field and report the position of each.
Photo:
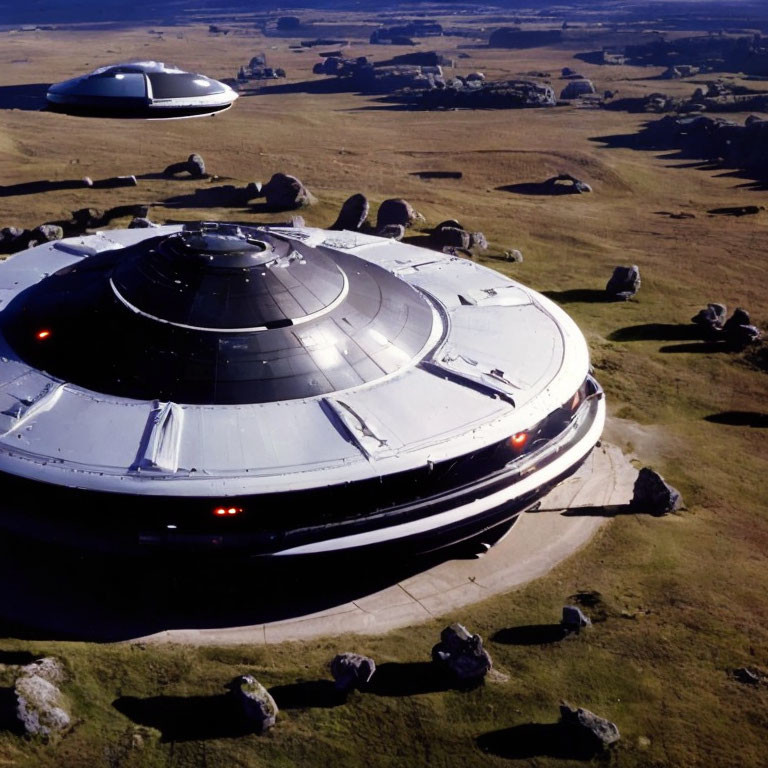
(682, 598)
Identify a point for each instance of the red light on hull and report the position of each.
(227, 511)
(518, 440)
(41, 335)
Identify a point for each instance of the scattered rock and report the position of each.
(513, 255)
(624, 283)
(462, 653)
(392, 231)
(574, 618)
(353, 213)
(284, 192)
(49, 668)
(447, 223)
(577, 88)
(41, 708)
(738, 331)
(46, 233)
(601, 731)
(194, 165)
(141, 222)
(87, 181)
(711, 319)
(564, 184)
(258, 706)
(351, 670)
(395, 211)
(478, 240)
(652, 494)
(452, 237)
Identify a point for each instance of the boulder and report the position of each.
(603, 733)
(447, 223)
(353, 213)
(351, 670)
(565, 183)
(141, 222)
(395, 211)
(87, 181)
(255, 701)
(513, 255)
(738, 331)
(577, 88)
(747, 676)
(452, 237)
(46, 233)
(624, 283)
(392, 231)
(49, 668)
(284, 192)
(574, 619)
(711, 319)
(462, 654)
(477, 240)
(652, 494)
(41, 708)
(194, 165)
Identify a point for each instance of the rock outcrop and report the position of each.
(462, 654)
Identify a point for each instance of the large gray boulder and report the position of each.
(284, 193)
(452, 237)
(711, 319)
(42, 709)
(395, 211)
(587, 724)
(462, 653)
(653, 494)
(624, 283)
(353, 213)
(256, 703)
(738, 331)
(574, 618)
(47, 233)
(351, 670)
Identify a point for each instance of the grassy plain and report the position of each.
(684, 597)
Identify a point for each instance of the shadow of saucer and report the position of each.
(29, 97)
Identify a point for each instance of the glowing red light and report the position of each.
(519, 440)
(224, 511)
(44, 334)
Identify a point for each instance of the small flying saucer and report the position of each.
(143, 89)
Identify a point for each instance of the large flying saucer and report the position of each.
(279, 391)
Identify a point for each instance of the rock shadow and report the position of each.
(578, 295)
(610, 510)
(532, 740)
(308, 694)
(29, 97)
(657, 332)
(186, 718)
(17, 658)
(732, 419)
(700, 347)
(226, 196)
(539, 188)
(37, 187)
(8, 721)
(531, 634)
(409, 679)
